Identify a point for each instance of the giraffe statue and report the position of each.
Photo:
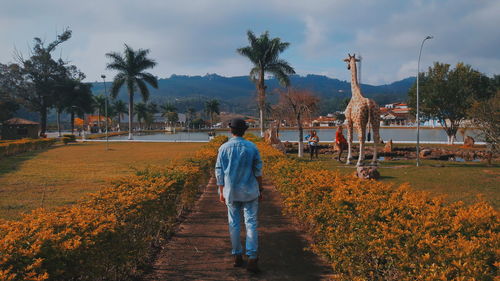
(359, 112)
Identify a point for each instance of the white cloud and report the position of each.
(196, 37)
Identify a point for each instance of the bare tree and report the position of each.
(300, 104)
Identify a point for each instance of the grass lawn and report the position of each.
(457, 180)
(63, 174)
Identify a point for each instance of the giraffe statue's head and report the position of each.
(351, 60)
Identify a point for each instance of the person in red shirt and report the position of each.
(340, 142)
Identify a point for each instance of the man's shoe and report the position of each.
(252, 265)
(238, 261)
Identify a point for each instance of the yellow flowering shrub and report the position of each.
(370, 230)
(13, 147)
(108, 236)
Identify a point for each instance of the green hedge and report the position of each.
(9, 148)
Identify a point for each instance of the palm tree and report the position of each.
(170, 112)
(212, 108)
(99, 103)
(120, 108)
(130, 69)
(152, 109)
(191, 113)
(141, 110)
(264, 52)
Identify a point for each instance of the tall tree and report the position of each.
(169, 111)
(264, 53)
(152, 109)
(81, 101)
(299, 103)
(131, 72)
(447, 94)
(141, 110)
(11, 83)
(99, 106)
(485, 115)
(64, 90)
(43, 73)
(212, 109)
(120, 108)
(190, 114)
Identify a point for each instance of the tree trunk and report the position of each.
(130, 112)
(72, 120)
(99, 120)
(119, 119)
(58, 113)
(262, 101)
(301, 137)
(43, 119)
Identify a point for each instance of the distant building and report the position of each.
(324, 121)
(18, 128)
(396, 114)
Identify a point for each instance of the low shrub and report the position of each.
(103, 135)
(368, 230)
(108, 236)
(9, 148)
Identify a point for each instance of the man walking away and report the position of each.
(239, 178)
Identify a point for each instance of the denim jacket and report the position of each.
(238, 165)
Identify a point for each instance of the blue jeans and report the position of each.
(250, 211)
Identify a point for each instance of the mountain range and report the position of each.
(237, 93)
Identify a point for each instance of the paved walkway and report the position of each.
(200, 250)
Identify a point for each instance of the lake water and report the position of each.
(325, 135)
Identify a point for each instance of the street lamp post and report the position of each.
(106, 109)
(418, 100)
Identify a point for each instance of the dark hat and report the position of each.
(238, 123)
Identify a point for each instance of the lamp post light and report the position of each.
(106, 109)
(418, 100)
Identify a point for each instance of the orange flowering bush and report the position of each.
(8, 148)
(108, 236)
(370, 230)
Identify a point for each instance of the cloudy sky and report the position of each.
(196, 37)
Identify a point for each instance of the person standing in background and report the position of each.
(313, 144)
(340, 142)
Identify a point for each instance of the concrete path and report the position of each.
(200, 249)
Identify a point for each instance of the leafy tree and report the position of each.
(172, 117)
(170, 113)
(197, 123)
(299, 103)
(190, 115)
(264, 53)
(485, 116)
(168, 107)
(141, 110)
(64, 91)
(152, 109)
(131, 72)
(447, 94)
(43, 74)
(212, 109)
(81, 101)
(120, 108)
(11, 82)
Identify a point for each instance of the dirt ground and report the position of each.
(200, 249)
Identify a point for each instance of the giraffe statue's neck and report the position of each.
(355, 89)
